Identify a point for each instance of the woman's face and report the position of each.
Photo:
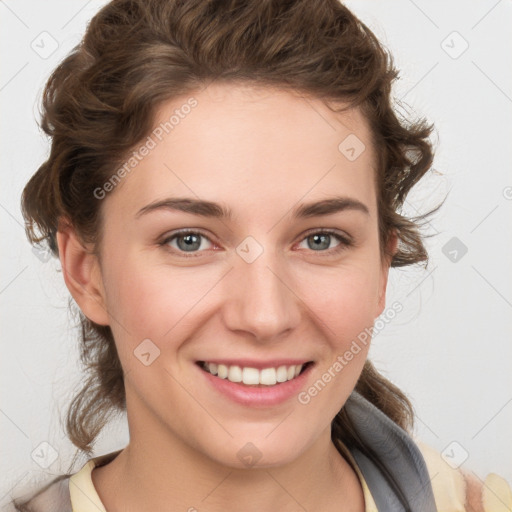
(261, 289)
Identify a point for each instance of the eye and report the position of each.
(194, 241)
(320, 240)
(186, 241)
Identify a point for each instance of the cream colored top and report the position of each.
(449, 486)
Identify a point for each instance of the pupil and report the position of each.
(318, 238)
(189, 241)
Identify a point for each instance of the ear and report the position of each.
(391, 249)
(82, 274)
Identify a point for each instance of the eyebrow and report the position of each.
(214, 210)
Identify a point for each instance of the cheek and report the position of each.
(344, 305)
(343, 299)
(156, 302)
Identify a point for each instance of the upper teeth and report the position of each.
(253, 376)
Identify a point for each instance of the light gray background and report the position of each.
(450, 348)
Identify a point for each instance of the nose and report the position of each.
(261, 300)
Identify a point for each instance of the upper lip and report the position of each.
(260, 365)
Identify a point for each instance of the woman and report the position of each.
(223, 193)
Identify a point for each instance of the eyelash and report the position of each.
(345, 241)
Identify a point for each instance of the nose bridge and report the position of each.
(260, 300)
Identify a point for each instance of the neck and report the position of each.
(159, 471)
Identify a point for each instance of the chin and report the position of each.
(258, 452)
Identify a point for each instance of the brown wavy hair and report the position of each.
(136, 54)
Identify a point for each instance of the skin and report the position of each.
(262, 152)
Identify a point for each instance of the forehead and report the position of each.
(250, 146)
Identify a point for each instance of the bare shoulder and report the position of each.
(456, 489)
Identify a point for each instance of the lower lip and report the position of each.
(258, 396)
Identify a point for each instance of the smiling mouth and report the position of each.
(252, 377)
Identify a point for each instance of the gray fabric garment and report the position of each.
(391, 464)
(54, 497)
